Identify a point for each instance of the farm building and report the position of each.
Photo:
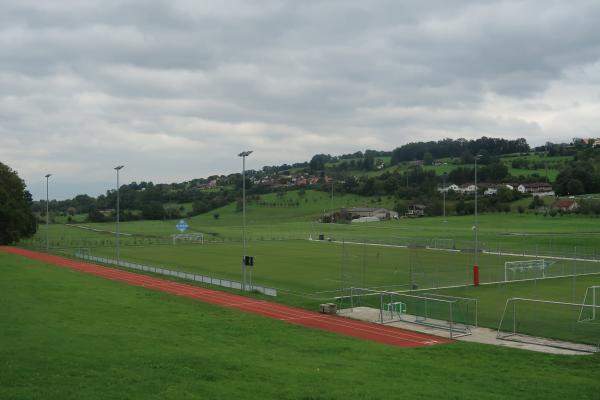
(360, 212)
(565, 205)
(539, 189)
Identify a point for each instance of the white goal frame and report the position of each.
(592, 293)
(520, 266)
(513, 333)
(189, 237)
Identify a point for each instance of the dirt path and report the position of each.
(297, 316)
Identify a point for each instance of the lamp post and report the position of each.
(244, 154)
(118, 212)
(476, 230)
(444, 189)
(47, 212)
(331, 219)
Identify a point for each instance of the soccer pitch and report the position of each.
(424, 254)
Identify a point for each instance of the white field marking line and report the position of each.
(499, 253)
(96, 230)
(437, 249)
(399, 246)
(458, 251)
(492, 283)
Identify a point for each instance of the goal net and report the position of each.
(456, 315)
(442, 244)
(549, 323)
(188, 238)
(371, 305)
(527, 269)
(590, 309)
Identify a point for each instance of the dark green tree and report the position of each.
(428, 158)
(153, 210)
(16, 218)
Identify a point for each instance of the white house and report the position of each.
(467, 188)
(491, 191)
(446, 189)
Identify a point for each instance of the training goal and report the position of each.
(590, 309)
(456, 315)
(527, 269)
(442, 244)
(550, 323)
(188, 238)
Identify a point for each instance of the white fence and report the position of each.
(179, 274)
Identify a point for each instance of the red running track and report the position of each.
(359, 329)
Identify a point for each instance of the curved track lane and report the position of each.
(297, 316)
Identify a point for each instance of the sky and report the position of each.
(175, 89)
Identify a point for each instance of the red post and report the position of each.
(475, 275)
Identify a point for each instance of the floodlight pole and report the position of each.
(476, 265)
(118, 212)
(47, 213)
(331, 218)
(244, 154)
(476, 219)
(444, 192)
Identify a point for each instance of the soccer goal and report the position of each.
(527, 269)
(550, 323)
(371, 305)
(456, 315)
(188, 238)
(590, 309)
(442, 244)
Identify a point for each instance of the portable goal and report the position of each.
(550, 323)
(590, 309)
(189, 238)
(527, 269)
(456, 315)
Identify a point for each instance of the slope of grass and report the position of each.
(67, 335)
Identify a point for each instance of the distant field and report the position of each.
(67, 335)
(295, 217)
(320, 266)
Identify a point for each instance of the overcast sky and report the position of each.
(175, 89)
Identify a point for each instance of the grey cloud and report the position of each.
(176, 87)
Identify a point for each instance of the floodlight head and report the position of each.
(245, 153)
(47, 176)
(119, 167)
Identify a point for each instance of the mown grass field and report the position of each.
(510, 231)
(308, 272)
(313, 266)
(67, 335)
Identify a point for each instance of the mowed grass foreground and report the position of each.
(64, 334)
